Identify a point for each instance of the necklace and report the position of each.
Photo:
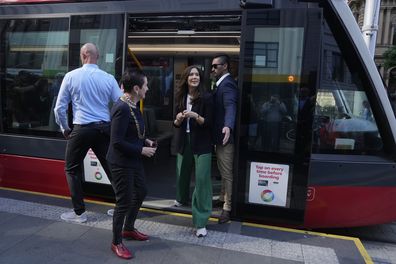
(129, 101)
(132, 106)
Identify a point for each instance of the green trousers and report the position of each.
(202, 195)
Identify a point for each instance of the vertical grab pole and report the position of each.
(370, 24)
(140, 67)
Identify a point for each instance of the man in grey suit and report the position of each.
(225, 108)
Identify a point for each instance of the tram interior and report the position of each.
(164, 46)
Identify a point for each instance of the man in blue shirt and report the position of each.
(90, 91)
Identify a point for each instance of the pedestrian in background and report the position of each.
(271, 114)
(194, 146)
(127, 147)
(366, 111)
(90, 91)
(225, 108)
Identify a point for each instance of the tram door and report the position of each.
(278, 76)
(163, 46)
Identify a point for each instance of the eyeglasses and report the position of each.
(217, 64)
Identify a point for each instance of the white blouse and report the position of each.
(189, 106)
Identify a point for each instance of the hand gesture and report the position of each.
(150, 143)
(226, 131)
(148, 151)
(190, 114)
(66, 133)
(180, 117)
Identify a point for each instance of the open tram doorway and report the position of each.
(163, 46)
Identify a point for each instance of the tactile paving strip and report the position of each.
(260, 246)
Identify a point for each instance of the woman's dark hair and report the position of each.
(132, 77)
(182, 87)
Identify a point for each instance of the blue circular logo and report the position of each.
(267, 196)
(98, 175)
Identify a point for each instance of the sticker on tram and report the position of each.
(268, 183)
(310, 194)
(93, 170)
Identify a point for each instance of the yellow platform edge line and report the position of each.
(362, 250)
(144, 209)
(37, 193)
(357, 241)
(292, 230)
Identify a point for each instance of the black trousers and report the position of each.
(82, 138)
(130, 189)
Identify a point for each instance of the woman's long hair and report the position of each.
(182, 88)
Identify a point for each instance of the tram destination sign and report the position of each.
(268, 183)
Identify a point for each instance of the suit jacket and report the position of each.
(225, 108)
(200, 135)
(125, 148)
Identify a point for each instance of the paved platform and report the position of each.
(32, 232)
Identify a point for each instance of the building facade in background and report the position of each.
(386, 38)
(386, 35)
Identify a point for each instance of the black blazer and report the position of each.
(225, 102)
(125, 148)
(200, 135)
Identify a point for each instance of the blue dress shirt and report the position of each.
(90, 90)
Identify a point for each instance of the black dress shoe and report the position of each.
(224, 217)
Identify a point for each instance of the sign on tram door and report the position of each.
(93, 170)
(268, 183)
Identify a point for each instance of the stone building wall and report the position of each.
(386, 36)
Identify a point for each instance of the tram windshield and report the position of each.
(343, 119)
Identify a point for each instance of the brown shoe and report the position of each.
(224, 217)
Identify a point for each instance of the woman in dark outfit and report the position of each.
(127, 146)
(194, 145)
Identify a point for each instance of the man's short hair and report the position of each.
(224, 58)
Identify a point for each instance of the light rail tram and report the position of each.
(327, 160)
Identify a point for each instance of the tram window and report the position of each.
(160, 71)
(273, 56)
(337, 67)
(344, 122)
(36, 61)
(104, 40)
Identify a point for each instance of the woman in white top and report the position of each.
(193, 121)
